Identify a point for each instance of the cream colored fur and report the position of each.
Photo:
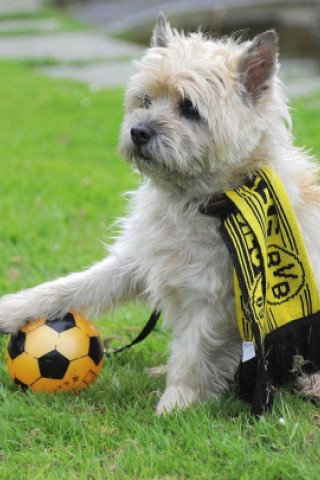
(168, 253)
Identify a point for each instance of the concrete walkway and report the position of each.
(67, 47)
(19, 6)
(93, 57)
(117, 15)
(90, 56)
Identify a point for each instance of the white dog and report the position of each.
(201, 116)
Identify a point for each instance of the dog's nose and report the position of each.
(141, 134)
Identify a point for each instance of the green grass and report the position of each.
(60, 190)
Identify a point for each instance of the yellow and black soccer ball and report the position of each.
(53, 355)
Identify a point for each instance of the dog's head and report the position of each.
(198, 108)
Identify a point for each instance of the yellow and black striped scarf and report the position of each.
(276, 295)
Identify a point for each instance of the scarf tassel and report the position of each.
(291, 351)
(255, 386)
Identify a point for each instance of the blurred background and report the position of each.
(116, 31)
(296, 21)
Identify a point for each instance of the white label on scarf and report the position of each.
(248, 351)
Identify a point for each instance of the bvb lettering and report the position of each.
(286, 274)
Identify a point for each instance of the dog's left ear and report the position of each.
(258, 63)
(162, 32)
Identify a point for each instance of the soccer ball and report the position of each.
(55, 355)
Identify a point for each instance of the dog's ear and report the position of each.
(162, 32)
(258, 63)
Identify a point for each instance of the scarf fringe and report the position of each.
(290, 351)
(294, 349)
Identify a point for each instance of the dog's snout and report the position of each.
(141, 134)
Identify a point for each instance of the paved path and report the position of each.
(118, 15)
(300, 76)
(20, 6)
(104, 61)
(93, 57)
(67, 47)
(25, 24)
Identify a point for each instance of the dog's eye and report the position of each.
(146, 101)
(188, 110)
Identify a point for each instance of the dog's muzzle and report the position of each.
(141, 134)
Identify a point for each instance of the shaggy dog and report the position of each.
(201, 116)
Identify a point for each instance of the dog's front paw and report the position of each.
(176, 396)
(13, 313)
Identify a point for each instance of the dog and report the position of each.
(201, 115)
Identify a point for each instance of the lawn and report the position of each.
(61, 189)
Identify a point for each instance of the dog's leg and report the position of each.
(92, 291)
(202, 364)
(309, 385)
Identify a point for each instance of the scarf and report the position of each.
(276, 295)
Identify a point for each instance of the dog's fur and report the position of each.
(201, 115)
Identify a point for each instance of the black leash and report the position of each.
(145, 332)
